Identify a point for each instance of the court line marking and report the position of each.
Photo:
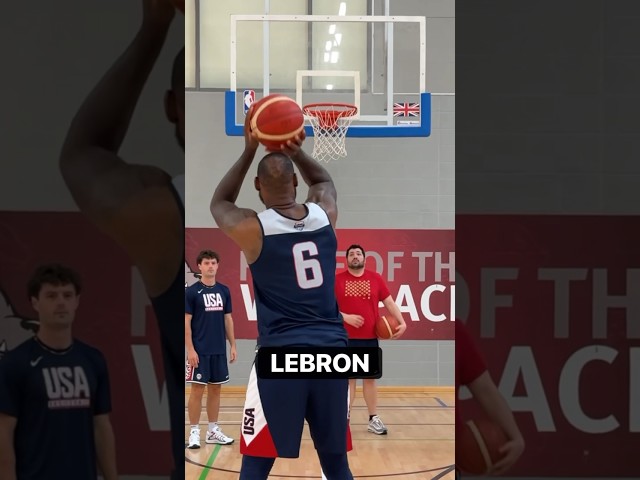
(376, 438)
(359, 407)
(408, 424)
(448, 468)
(364, 422)
(361, 424)
(212, 458)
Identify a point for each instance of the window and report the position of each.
(288, 42)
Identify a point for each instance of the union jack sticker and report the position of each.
(406, 109)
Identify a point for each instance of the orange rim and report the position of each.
(329, 113)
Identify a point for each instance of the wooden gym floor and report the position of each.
(419, 445)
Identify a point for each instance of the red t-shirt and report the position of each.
(470, 363)
(360, 296)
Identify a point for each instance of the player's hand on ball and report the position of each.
(400, 329)
(292, 148)
(250, 139)
(192, 358)
(158, 13)
(511, 451)
(354, 320)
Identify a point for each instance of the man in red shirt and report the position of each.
(358, 292)
(471, 371)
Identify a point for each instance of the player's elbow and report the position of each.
(74, 143)
(216, 210)
(219, 211)
(71, 164)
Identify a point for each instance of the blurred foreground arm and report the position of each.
(484, 390)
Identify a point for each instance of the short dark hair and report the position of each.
(275, 169)
(353, 247)
(208, 254)
(53, 274)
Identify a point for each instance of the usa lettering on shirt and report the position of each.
(67, 387)
(212, 302)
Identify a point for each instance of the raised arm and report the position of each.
(321, 188)
(240, 224)
(89, 160)
(130, 203)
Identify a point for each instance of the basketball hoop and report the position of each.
(330, 122)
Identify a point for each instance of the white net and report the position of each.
(330, 123)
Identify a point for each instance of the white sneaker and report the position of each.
(216, 436)
(376, 426)
(194, 438)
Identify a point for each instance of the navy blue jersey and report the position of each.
(208, 305)
(54, 394)
(293, 281)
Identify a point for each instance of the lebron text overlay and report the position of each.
(302, 362)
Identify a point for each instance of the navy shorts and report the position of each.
(359, 342)
(275, 411)
(367, 342)
(211, 369)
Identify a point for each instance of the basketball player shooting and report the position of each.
(139, 206)
(295, 304)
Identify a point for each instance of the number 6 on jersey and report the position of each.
(308, 270)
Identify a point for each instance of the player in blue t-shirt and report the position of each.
(207, 322)
(54, 393)
(291, 252)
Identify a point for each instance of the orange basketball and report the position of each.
(275, 119)
(477, 446)
(179, 4)
(386, 327)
